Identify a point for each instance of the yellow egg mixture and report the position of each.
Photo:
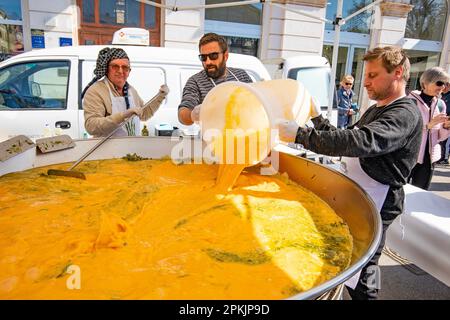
(154, 230)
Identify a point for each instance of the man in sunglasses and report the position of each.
(213, 55)
(110, 100)
(378, 152)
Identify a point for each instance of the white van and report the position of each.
(43, 87)
(313, 71)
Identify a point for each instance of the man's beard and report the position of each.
(380, 94)
(216, 72)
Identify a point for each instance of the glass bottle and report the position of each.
(144, 131)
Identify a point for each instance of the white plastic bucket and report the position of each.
(239, 120)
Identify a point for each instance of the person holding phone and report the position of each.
(436, 125)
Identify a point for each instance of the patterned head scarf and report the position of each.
(104, 58)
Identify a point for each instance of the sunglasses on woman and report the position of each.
(211, 56)
(348, 84)
(440, 83)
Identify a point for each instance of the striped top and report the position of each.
(198, 86)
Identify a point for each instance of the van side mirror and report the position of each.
(36, 89)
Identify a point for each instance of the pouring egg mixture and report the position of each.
(151, 229)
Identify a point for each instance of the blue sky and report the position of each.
(12, 8)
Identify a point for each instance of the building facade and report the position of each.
(267, 30)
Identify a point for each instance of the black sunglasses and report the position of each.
(348, 84)
(211, 56)
(440, 83)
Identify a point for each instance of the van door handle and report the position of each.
(62, 124)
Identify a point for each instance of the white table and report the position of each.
(422, 233)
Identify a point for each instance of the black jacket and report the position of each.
(386, 141)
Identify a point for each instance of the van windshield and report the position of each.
(34, 85)
(316, 80)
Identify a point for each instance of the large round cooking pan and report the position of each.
(348, 200)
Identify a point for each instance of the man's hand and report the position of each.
(156, 101)
(315, 108)
(132, 111)
(288, 130)
(195, 114)
(440, 118)
(164, 89)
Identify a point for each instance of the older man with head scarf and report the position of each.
(109, 100)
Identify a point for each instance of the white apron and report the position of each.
(376, 190)
(132, 126)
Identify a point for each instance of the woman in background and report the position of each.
(345, 95)
(435, 125)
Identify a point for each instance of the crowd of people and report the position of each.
(397, 140)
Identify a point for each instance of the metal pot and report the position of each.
(348, 200)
